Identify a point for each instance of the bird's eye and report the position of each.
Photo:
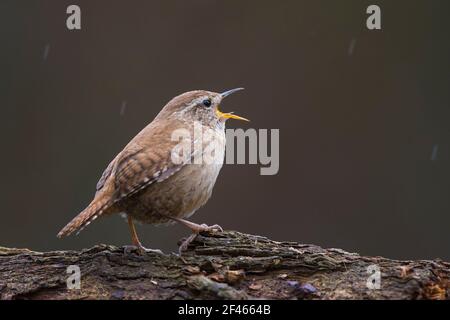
(207, 103)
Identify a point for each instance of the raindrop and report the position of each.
(123, 107)
(351, 47)
(46, 51)
(434, 152)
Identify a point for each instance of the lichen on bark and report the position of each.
(225, 265)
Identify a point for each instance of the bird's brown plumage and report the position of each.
(144, 161)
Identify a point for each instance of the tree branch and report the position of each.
(228, 265)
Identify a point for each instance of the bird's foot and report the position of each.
(141, 250)
(213, 228)
(185, 244)
(197, 228)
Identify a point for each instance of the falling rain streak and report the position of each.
(46, 52)
(123, 107)
(434, 152)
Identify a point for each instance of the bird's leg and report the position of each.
(135, 240)
(196, 228)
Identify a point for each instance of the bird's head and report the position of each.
(201, 106)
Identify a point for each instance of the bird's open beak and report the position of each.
(229, 115)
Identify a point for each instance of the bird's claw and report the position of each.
(200, 228)
(185, 244)
(213, 228)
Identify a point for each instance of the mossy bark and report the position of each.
(227, 265)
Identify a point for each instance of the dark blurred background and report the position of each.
(363, 116)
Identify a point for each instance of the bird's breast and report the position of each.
(196, 180)
(183, 193)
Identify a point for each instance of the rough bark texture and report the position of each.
(228, 265)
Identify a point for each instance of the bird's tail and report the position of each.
(97, 207)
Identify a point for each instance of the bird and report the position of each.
(160, 176)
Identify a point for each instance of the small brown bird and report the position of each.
(157, 178)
